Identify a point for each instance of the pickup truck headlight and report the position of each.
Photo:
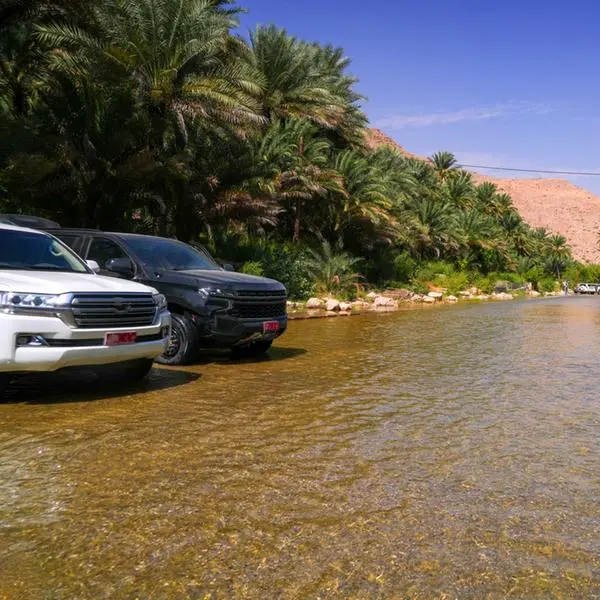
(37, 304)
(160, 301)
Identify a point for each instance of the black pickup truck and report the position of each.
(211, 306)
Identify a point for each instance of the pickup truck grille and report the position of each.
(259, 305)
(91, 311)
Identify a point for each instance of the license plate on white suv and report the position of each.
(120, 339)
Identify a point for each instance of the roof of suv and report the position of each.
(29, 221)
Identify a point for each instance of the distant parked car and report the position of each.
(587, 288)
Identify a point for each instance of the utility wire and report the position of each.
(586, 173)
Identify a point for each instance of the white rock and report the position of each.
(465, 294)
(383, 301)
(345, 306)
(451, 299)
(503, 296)
(372, 295)
(332, 305)
(534, 294)
(435, 295)
(314, 303)
(428, 299)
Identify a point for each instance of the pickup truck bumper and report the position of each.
(61, 346)
(228, 332)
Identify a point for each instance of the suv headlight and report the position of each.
(37, 304)
(209, 292)
(160, 301)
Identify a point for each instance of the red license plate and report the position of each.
(120, 339)
(271, 327)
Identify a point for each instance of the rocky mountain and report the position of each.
(557, 204)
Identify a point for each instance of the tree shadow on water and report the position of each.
(85, 385)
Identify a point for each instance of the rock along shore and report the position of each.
(394, 300)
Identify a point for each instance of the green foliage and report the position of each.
(333, 270)
(253, 267)
(547, 284)
(405, 267)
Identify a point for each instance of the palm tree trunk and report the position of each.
(296, 232)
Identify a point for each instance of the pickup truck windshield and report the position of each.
(36, 251)
(163, 254)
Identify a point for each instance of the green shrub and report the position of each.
(548, 284)
(405, 267)
(253, 267)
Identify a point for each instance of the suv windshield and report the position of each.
(36, 251)
(163, 254)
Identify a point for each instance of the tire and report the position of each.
(183, 343)
(138, 369)
(252, 350)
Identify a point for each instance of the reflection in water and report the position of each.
(427, 454)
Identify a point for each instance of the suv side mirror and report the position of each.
(120, 266)
(228, 267)
(93, 265)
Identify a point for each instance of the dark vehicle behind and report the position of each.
(211, 307)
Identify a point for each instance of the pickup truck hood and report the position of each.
(52, 282)
(222, 279)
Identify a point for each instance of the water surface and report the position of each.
(445, 453)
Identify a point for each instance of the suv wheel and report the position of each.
(255, 349)
(183, 343)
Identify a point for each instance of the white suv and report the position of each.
(56, 312)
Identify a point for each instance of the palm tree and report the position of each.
(459, 190)
(559, 254)
(430, 227)
(332, 269)
(444, 164)
(181, 56)
(305, 82)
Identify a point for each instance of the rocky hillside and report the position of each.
(557, 204)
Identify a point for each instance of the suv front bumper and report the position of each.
(228, 332)
(67, 347)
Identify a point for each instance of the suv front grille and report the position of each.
(259, 305)
(91, 311)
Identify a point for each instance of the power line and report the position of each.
(586, 173)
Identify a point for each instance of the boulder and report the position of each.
(372, 295)
(332, 305)
(474, 291)
(428, 299)
(451, 299)
(417, 298)
(502, 296)
(465, 294)
(361, 305)
(345, 306)
(435, 295)
(384, 301)
(399, 294)
(534, 294)
(315, 303)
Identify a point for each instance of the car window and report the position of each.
(31, 250)
(163, 254)
(102, 250)
(69, 240)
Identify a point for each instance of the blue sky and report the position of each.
(513, 83)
